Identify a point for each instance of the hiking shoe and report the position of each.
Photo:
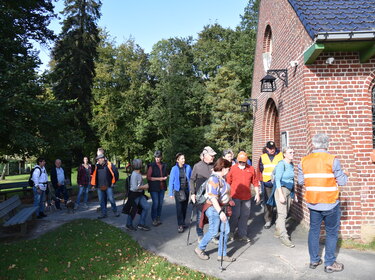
(226, 259)
(315, 265)
(143, 227)
(130, 228)
(180, 229)
(285, 241)
(267, 225)
(244, 239)
(231, 236)
(102, 217)
(215, 240)
(201, 254)
(335, 267)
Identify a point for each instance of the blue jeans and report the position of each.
(142, 201)
(331, 220)
(214, 223)
(103, 196)
(157, 204)
(181, 208)
(199, 214)
(61, 192)
(38, 200)
(85, 191)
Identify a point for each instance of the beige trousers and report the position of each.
(282, 211)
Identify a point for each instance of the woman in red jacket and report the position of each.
(83, 180)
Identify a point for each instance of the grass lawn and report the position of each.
(86, 249)
(352, 244)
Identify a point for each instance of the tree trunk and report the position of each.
(3, 172)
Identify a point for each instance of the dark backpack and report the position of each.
(200, 197)
(127, 186)
(31, 182)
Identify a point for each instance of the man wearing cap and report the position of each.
(321, 174)
(157, 178)
(103, 178)
(240, 177)
(201, 172)
(267, 164)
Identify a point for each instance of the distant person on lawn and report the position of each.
(103, 178)
(83, 181)
(137, 201)
(40, 179)
(58, 183)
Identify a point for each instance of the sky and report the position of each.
(148, 21)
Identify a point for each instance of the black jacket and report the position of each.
(54, 176)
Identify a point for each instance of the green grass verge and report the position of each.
(352, 244)
(86, 249)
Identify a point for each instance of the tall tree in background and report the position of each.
(175, 115)
(20, 22)
(74, 69)
(121, 96)
(229, 128)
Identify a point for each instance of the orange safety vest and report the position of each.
(93, 177)
(320, 182)
(269, 166)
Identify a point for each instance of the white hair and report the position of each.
(137, 164)
(320, 141)
(286, 148)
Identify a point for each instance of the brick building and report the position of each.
(328, 50)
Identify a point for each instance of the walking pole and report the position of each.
(191, 220)
(222, 244)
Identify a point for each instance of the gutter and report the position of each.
(360, 40)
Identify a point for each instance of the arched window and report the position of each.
(267, 48)
(373, 116)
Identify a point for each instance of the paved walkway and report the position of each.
(265, 258)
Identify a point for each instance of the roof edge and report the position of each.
(362, 35)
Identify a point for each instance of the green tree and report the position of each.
(230, 128)
(20, 22)
(74, 70)
(120, 95)
(177, 114)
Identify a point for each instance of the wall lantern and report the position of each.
(268, 83)
(245, 107)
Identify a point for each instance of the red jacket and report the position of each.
(241, 180)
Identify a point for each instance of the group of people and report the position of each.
(225, 186)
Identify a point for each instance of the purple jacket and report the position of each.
(81, 175)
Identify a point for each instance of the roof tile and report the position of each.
(335, 15)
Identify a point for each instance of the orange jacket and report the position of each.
(93, 177)
(320, 182)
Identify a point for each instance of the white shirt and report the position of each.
(39, 178)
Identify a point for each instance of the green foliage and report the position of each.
(230, 127)
(88, 249)
(21, 97)
(73, 72)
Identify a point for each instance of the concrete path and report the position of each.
(265, 258)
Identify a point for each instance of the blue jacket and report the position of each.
(174, 179)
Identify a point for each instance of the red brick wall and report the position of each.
(335, 99)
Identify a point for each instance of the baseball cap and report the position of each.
(208, 150)
(242, 156)
(271, 145)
